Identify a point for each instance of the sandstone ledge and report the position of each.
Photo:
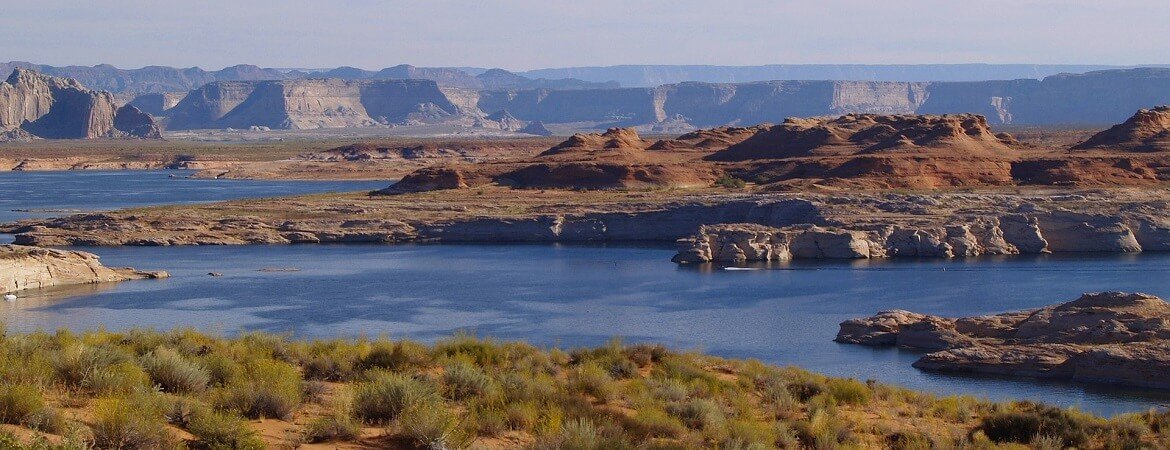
(23, 268)
(1110, 338)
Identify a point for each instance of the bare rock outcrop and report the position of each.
(1107, 337)
(429, 179)
(1146, 131)
(23, 268)
(36, 105)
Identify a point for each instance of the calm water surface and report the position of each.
(57, 193)
(573, 296)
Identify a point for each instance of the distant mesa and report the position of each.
(1146, 131)
(613, 141)
(429, 179)
(861, 134)
(505, 121)
(33, 105)
(710, 139)
(535, 128)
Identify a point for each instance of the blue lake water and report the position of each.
(56, 193)
(567, 296)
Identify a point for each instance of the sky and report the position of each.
(530, 34)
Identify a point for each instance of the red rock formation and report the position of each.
(1146, 131)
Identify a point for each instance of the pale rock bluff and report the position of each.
(36, 105)
(23, 268)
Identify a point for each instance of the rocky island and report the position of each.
(1108, 337)
(23, 268)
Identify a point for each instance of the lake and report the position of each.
(556, 295)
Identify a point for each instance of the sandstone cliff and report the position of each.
(59, 108)
(1110, 337)
(23, 268)
(310, 104)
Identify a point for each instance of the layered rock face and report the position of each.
(58, 108)
(310, 104)
(1009, 234)
(866, 150)
(1058, 99)
(23, 268)
(1109, 337)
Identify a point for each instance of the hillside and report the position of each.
(33, 105)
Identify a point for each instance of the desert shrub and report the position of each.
(750, 434)
(908, 440)
(655, 423)
(730, 182)
(1015, 427)
(1047, 443)
(74, 364)
(221, 368)
(18, 403)
(396, 356)
(483, 352)
(463, 381)
(581, 434)
(522, 416)
(1031, 420)
(218, 430)
(527, 387)
(335, 426)
(645, 354)
(331, 361)
(670, 390)
(264, 388)
(174, 373)
(387, 395)
(822, 430)
(130, 423)
(807, 389)
(487, 419)
(431, 425)
(592, 380)
(849, 391)
(699, 413)
(120, 378)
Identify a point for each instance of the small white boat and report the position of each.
(741, 268)
(10, 297)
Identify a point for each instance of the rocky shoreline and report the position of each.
(1110, 338)
(23, 268)
(707, 227)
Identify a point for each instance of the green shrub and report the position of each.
(1015, 427)
(74, 364)
(174, 373)
(487, 419)
(221, 368)
(699, 413)
(908, 440)
(650, 422)
(849, 391)
(593, 380)
(396, 356)
(464, 381)
(730, 182)
(482, 352)
(18, 403)
(130, 423)
(385, 397)
(335, 426)
(522, 416)
(1032, 420)
(221, 431)
(117, 379)
(264, 388)
(431, 425)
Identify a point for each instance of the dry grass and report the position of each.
(468, 392)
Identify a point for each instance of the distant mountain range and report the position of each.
(657, 75)
(127, 83)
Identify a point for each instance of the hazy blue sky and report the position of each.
(525, 34)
